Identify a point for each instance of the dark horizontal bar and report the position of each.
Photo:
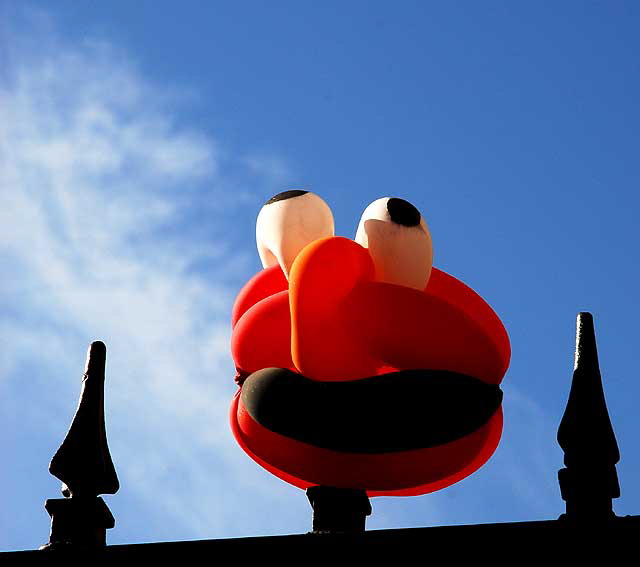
(477, 540)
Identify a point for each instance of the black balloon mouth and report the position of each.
(398, 411)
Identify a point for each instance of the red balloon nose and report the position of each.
(322, 276)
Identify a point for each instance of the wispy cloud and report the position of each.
(100, 185)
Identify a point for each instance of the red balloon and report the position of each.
(322, 276)
(261, 338)
(262, 285)
(446, 327)
(332, 321)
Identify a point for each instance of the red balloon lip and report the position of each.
(402, 473)
(448, 326)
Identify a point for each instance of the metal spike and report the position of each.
(83, 462)
(589, 481)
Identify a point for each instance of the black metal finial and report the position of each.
(590, 481)
(338, 510)
(83, 464)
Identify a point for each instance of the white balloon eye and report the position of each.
(287, 223)
(398, 240)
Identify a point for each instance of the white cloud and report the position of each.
(96, 245)
(270, 165)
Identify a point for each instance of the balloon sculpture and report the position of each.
(360, 365)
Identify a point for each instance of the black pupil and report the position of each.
(403, 212)
(285, 195)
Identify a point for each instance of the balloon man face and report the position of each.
(360, 365)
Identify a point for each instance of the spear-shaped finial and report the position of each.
(589, 482)
(83, 464)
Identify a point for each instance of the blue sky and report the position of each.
(137, 144)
